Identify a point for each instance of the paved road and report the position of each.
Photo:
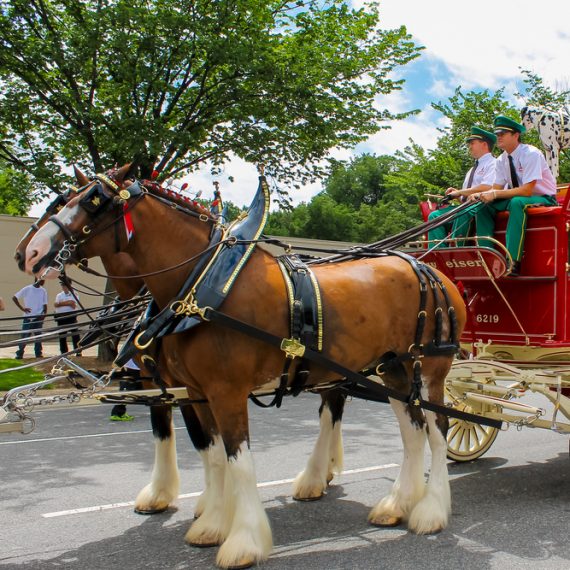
(510, 508)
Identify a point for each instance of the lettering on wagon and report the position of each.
(453, 263)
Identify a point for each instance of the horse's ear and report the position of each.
(523, 111)
(121, 174)
(81, 179)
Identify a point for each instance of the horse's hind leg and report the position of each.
(165, 480)
(202, 442)
(431, 514)
(409, 487)
(326, 460)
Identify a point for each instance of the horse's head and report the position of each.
(55, 206)
(77, 230)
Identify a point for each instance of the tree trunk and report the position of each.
(107, 350)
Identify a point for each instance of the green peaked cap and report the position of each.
(505, 124)
(482, 134)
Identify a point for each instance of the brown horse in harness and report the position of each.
(326, 459)
(370, 311)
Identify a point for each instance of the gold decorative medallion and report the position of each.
(124, 194)
(292, 347)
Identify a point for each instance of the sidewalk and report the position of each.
(49, 349)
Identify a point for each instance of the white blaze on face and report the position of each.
(40, 244)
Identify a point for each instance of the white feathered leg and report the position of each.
(165, 480)
(204, 497)
(409, 487)
(249, 540)
(210, 528)
(311, 483)
(431, 514)
(336, 454)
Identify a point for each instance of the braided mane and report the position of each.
(176, 197)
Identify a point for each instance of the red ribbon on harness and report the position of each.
(129, 226)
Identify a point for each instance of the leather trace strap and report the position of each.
(362, 385)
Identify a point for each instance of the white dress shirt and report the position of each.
(530, 165)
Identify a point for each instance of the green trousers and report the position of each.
(517, 206)
(456, 229)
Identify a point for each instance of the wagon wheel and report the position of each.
(467, 441)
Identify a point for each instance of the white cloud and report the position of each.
(485, 42)
(422, 128)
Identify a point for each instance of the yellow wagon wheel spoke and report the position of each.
(467, 441)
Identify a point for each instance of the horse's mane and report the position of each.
(179, 199)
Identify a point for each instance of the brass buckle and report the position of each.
(189, 308)
(292, 348)
(139, 345)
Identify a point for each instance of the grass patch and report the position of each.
(9, 380)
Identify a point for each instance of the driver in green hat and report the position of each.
(522, 180)
(479, 177)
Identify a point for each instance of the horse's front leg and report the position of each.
(409, 487)
(326, 460)
(165, 480)
(211, 528)
(249, 537)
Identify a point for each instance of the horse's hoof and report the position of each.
(330, 478)
(150, 511)
(204, 542)
(385, 521)
(243, 563)
(308, 499)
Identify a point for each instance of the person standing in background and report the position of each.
(65, 307)
(32, 300)
(134, 382)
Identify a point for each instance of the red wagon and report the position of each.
(517, 338)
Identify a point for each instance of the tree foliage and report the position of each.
(354, 206)
(176, 83)
(15, 198)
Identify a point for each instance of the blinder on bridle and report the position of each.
(95, 200)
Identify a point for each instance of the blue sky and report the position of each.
(478, 45)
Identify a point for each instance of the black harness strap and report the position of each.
(360, 382)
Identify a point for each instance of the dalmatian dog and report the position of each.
(554, 131)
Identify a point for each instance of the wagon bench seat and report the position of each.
(533, 211)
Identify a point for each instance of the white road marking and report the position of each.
(67, 437)
(275, 483)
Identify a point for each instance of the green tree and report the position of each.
(423, 171)
(173, 84)
(15, 197)
(360, 181)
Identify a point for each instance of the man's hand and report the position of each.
(453, 192)
(27, 310)
(484, 197)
